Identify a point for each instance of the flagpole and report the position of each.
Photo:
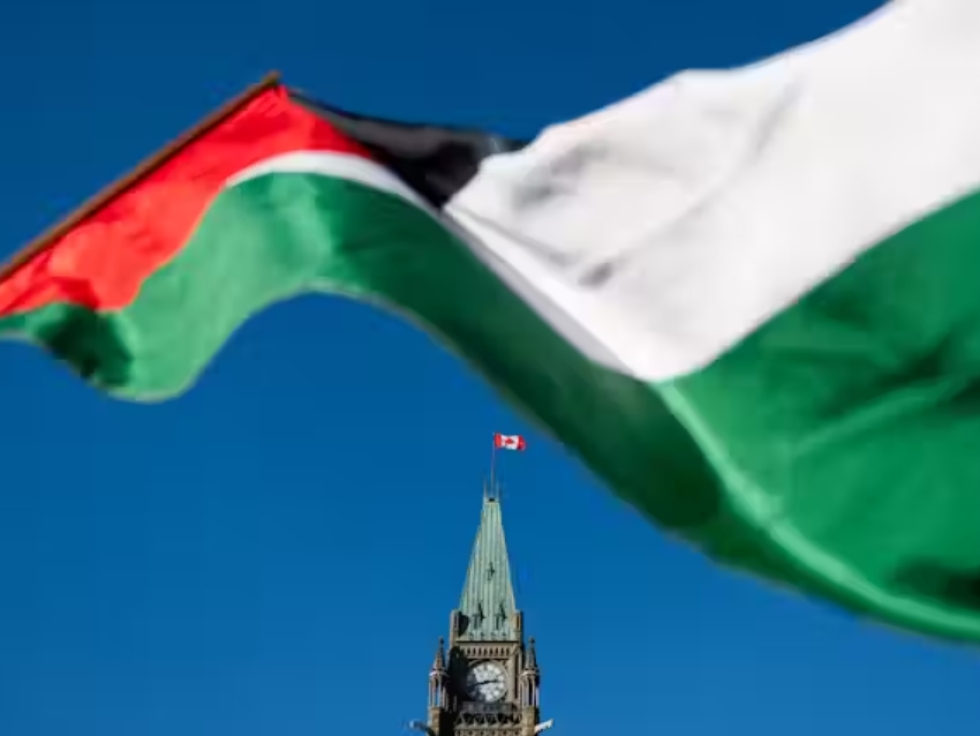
(493, 468)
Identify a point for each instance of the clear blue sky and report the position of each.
(277, 552)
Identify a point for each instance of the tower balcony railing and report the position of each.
(495, 708)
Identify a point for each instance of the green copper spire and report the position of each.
(488, 606)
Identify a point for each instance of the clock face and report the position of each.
(486, 682)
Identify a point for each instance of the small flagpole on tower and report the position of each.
(502, 442)
(493, 467)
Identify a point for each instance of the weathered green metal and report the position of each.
(488, 604)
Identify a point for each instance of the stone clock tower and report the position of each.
(486, 682)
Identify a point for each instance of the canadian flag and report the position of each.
(509, 442)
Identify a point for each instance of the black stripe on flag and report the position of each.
(435, 161)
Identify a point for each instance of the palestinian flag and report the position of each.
(749, 300)
(273, 196)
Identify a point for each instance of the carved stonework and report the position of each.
(489, 650)
(487, 714)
